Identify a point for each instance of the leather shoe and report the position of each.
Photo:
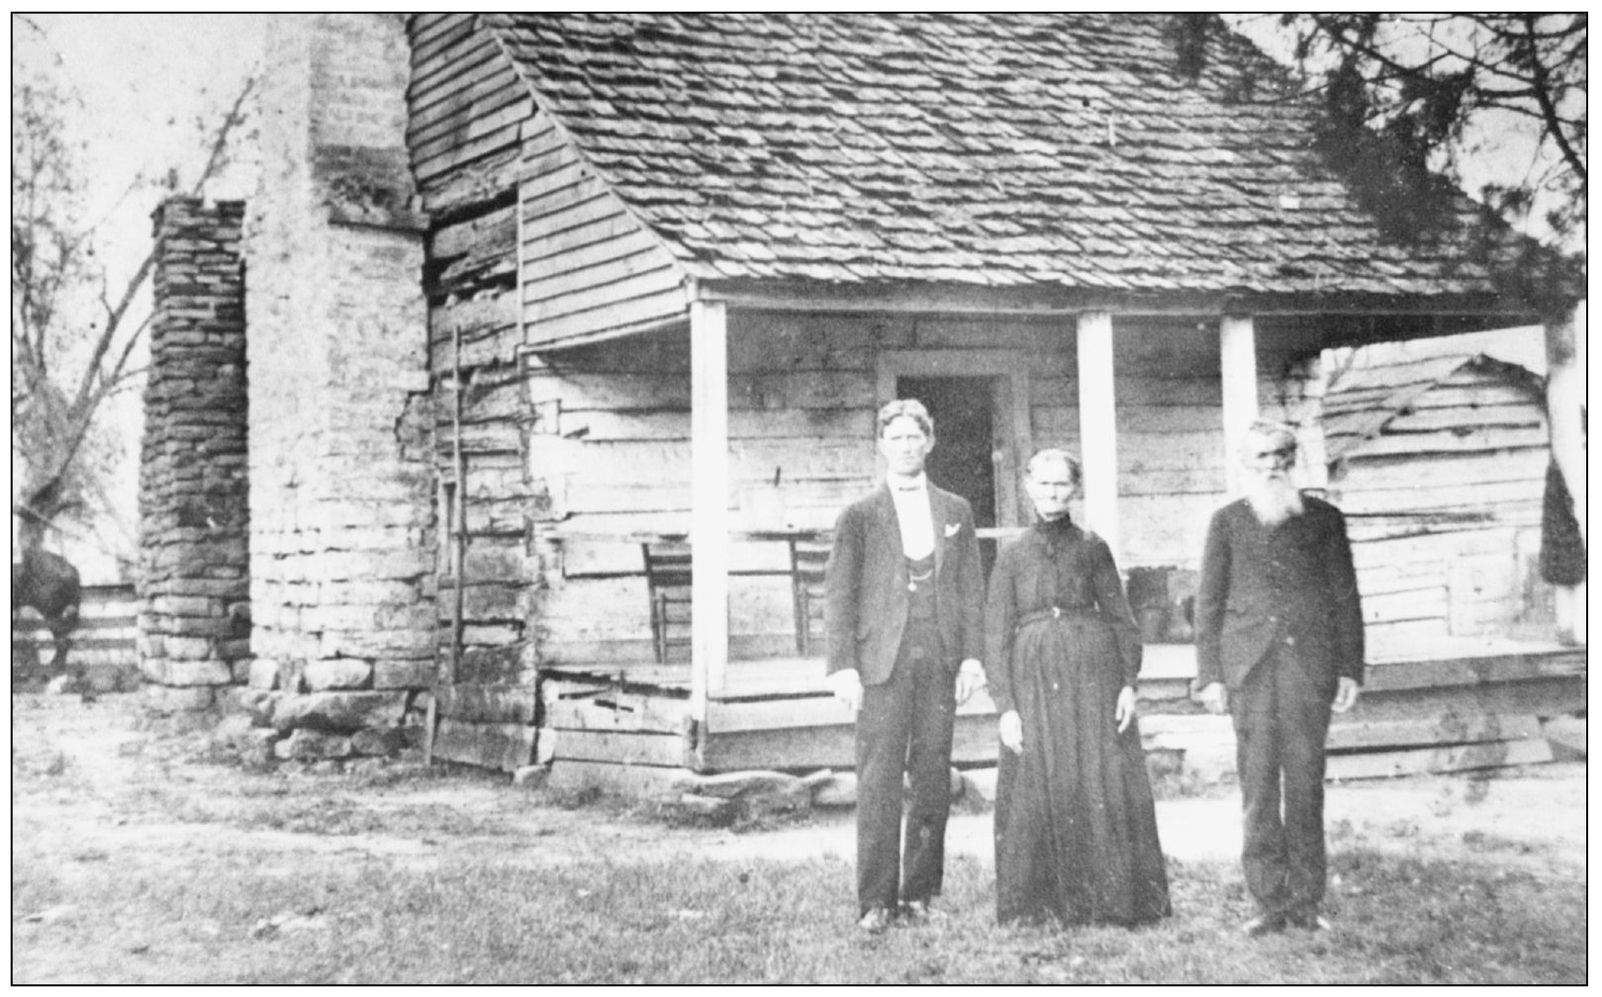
(875, 921)
(1263, 924)
(1308, 920)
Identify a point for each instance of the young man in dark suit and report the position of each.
(904, 619)
(1279, 643)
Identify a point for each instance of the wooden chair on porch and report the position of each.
(808, 559)
(668, 577)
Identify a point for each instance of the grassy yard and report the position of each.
(372, 920)
(141, 855)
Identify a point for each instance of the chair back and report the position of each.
(668, 576)
(808, 559)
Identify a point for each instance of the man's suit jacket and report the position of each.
(1259, 585)
(865, 610)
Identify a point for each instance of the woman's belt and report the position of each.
(1054, 613)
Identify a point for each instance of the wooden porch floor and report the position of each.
(796, 677)
(777, 713)
(1167, 669)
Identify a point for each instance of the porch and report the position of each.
(1460, 704)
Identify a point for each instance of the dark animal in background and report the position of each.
(48, 583)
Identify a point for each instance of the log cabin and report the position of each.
(674, 263)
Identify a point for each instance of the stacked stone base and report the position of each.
(194, 642)
(296, 714)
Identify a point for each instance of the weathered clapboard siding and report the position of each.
(457, 85)
(1486, 496)
(1449, 477)
(1428, 415)
(466, 100)
(1464, 439)
(1375, 402)
(492, 108)
(1440, 459)
(468, 150)
(429, 31)
(612, 275)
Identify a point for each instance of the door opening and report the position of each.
(963, 410)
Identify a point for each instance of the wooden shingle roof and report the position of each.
(1003, 150)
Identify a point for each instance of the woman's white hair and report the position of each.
(1056, 455)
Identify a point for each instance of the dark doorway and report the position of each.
(963, 409)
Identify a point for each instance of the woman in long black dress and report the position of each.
(1076, 828)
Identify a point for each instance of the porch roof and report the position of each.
(1004, 150)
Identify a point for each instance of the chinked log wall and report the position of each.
(468, 111)
(611, 447)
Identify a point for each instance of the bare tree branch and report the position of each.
(1548, 111)
(114, 317)
(53, 267)
(85, 401)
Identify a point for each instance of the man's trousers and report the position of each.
(904, 726)
(1281, 718)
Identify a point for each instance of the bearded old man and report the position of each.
(1279, 643)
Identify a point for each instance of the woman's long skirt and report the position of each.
(1076, 827)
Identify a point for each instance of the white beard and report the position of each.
(1274, 500)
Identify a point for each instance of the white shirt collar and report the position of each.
(913, 515)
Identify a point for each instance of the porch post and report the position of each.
(709, 490)
(1565, 402)
(1238, 367)
(1098, 436)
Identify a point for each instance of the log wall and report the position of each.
(609, 449)
(468, 111)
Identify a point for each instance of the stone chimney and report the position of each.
(342, 543)
(194, 517)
